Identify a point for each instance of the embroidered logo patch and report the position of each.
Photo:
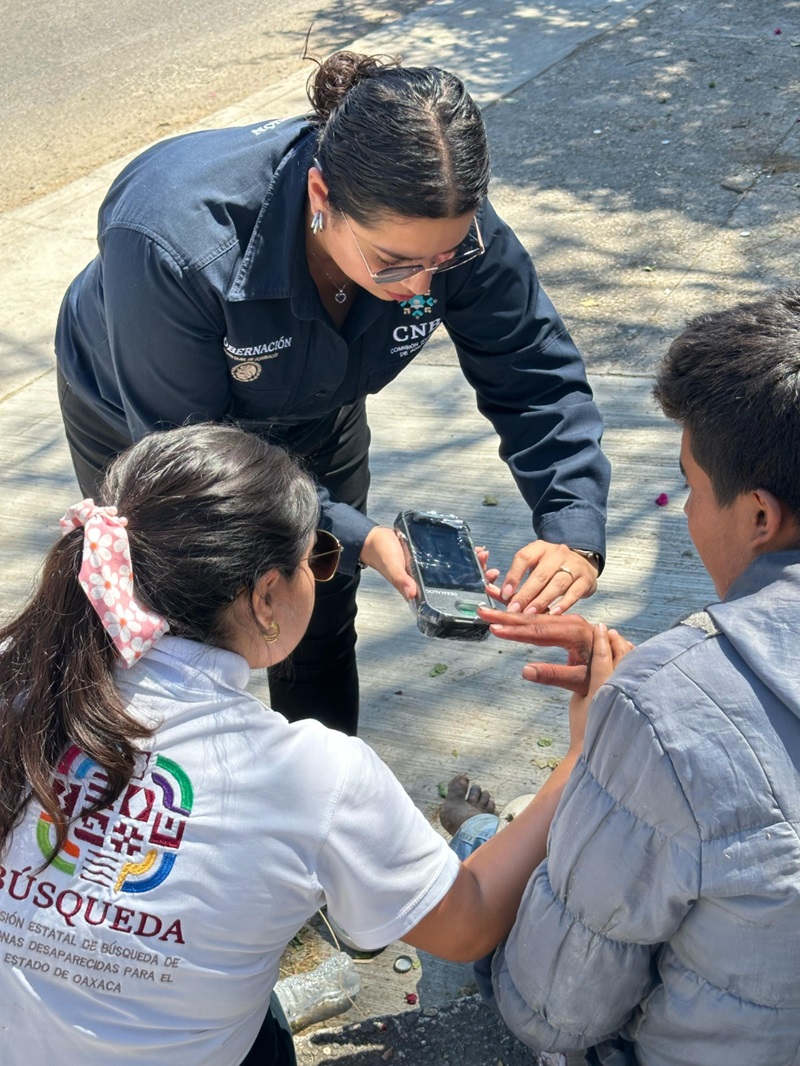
(418, 306)
(248, 360)
(130, 846)
(246, 371)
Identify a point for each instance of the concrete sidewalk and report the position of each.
(648, 156)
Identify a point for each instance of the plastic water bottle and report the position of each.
(322, 993)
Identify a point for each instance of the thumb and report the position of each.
(602, 664)
(402, 581)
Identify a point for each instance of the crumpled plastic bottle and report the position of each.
(322, 993)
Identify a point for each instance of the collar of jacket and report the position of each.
(760, 616)
(763, 571)
(267, 269)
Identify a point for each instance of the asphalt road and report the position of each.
(83, 82)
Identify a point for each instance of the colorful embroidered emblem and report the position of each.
(130, 846)
(418, 306)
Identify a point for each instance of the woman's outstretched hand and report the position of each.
(383, 551)
(541, 573)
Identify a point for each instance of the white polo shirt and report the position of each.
(156, 933)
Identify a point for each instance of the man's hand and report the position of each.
(570, 631)
(383, 551)
(608, 648)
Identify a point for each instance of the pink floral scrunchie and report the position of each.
(106, 577)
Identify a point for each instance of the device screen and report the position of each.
(445, 556)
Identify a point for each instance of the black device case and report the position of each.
(442, 609)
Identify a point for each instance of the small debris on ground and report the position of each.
(737, 183)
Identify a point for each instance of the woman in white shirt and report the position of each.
(163, 835)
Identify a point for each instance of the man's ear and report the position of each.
(774, 526)
(317, 190)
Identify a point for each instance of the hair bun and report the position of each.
(337, 75)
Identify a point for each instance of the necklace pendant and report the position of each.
(340, 297)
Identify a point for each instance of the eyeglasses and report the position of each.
(470, 248)
(323, 560)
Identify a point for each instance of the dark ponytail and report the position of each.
(393, 140)
(56, 687)
(210, 509)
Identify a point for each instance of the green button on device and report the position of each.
(470, 609)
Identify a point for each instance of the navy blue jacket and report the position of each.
(200, 306)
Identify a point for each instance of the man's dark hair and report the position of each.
(732, 379)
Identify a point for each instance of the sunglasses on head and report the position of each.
(323, 559)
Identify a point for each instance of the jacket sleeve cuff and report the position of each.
(578, 527)
(349, 525)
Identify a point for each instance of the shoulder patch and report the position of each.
(701, 620)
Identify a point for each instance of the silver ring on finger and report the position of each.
(565, 570)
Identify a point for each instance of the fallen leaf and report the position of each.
(438, 668)
(544, 742)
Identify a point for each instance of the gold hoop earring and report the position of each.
(269, 636)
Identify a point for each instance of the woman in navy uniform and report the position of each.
(274, 275)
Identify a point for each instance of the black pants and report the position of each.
(321, 678)
(274, 1045)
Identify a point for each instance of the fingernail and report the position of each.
(514, 608)
(530, 673)
(508, 591)
(555, 610)
(601, 627)
(531, 609)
